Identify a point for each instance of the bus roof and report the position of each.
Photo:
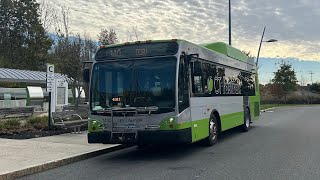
(219, 47)
(227, 50)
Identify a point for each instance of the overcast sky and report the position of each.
(295, 23)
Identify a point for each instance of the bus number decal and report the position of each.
(141, 52)
(115, 53)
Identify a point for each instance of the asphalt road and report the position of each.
(283, 144)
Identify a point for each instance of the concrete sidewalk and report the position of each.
(23, 157)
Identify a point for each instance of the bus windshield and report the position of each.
(134, 83)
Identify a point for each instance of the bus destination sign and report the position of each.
(137, 51)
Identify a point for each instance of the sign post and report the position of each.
(50, 89)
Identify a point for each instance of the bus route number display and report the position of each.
(115, 52)
(137, 51)
(142, 52)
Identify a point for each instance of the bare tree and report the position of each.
(47, 14)
(71, 51)
(61, 23)
(133, 34)
(107, 37)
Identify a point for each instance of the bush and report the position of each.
(1, 127)
(38, 122)
(10, 124)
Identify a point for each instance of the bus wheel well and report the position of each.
(216, 114)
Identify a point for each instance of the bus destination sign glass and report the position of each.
(137, 51)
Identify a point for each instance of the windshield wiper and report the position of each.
(148, 108)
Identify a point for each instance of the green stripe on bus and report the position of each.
(229, 121)
(200, 129)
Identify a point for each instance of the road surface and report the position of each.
(283, 144)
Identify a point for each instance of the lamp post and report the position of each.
(230, 22)
(270, 40)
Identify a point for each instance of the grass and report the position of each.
(267, 106)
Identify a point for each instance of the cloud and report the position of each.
(292, 22)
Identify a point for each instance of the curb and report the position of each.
(268, 109)
(60, 162)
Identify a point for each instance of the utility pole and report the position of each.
(230, 22)
(311, 73)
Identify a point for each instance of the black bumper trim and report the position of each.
(165, 137)
(144, 137)
(99, 137)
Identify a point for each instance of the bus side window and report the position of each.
(197, 83)
(209, 73)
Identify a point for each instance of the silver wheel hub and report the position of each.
(213, 129)
(247, 121)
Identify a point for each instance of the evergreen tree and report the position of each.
(285, 81)
(24, 43)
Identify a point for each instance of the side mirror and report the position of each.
(86, 75)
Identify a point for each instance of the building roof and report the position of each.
(16, 75)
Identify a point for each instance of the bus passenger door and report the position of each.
(199, 124)
(184, 93)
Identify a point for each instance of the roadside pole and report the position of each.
(49, 112)
(50, 89)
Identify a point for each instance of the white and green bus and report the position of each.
(170, 91)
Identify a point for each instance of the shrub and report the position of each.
(1, 127)
(38, 122)
(10, 124)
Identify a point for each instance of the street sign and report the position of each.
(50, 90)
(50, 77)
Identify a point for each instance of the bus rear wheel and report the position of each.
(213, 131)
(247, 120)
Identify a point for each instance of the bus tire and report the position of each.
(247, 120)
(213, 131)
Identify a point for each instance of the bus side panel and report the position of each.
(230, 109)
(200, 129)
(255, 107)
(232, 120)
(255, 101)
(198, 122)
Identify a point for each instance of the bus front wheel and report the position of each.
(213, 131)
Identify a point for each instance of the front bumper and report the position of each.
(144, 137)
